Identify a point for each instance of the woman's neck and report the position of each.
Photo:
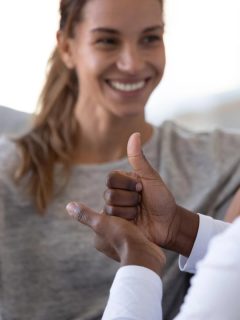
(106, 140)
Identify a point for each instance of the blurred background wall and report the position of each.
(201, 85)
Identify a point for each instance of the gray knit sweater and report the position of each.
(49, 269)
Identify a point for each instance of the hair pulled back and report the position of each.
(54, 133)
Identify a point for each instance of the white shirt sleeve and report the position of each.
(215, 289)
(136, 294)
(208, 228)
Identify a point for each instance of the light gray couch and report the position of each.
(215, 111)
(13, 122)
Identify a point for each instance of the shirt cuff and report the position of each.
(208, 227)
(136, 293)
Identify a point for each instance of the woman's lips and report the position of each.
(127, 86)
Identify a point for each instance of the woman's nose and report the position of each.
(130, 59)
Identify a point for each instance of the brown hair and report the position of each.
(55, 129)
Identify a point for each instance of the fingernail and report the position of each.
(73, 209)
(139, 186)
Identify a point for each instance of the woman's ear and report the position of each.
(65, 49)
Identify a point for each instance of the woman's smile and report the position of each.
(128, 87)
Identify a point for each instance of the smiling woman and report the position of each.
(101, 51)
(100, 76)
(192, 52)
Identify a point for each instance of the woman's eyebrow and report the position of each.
(115, 31)
(105, 30)
(154, 28)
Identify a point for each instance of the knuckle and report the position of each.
(107, 195)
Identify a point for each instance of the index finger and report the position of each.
(124, 180)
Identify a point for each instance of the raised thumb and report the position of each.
(83, 214)
(137, 159)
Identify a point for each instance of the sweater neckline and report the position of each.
(111, 165)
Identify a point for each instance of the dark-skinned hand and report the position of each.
(142, 196)
(119, 239)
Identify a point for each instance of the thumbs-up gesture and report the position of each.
(143, 197)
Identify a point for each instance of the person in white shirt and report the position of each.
(156, 222)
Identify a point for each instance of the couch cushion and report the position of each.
(13, 122)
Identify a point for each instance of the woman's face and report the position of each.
(118, 53)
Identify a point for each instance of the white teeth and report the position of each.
(127, 86)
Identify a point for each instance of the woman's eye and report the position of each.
(151, 39)
(107, 42)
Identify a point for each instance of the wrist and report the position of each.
(145, 255)
(183, 231)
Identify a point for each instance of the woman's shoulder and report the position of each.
(170, 127)
(174, 130)
(218, 145)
